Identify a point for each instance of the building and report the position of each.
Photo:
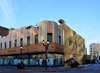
(4, 31)
(30, 38)
(64, 42)
(73, 43)
(95, 50)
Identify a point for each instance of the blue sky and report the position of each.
(81, 15)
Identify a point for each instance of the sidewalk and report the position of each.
(52, 69)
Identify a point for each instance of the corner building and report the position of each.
(73, 43)
(32, 48)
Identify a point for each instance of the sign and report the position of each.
(74, 55)
(49, 47)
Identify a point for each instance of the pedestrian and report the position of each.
(36, 63)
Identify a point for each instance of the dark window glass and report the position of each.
(36, 38)
(15, 43)
(21, 41)
(5, 44)
(49, 37)
(59, 39)
(28, 40)
(9, 44)
(1, 45)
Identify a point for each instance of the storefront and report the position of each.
(31, 59)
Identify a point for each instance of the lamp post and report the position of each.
(21, 52)
(46, 48)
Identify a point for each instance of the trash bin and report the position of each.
(20, 66)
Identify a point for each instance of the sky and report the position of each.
(83, 16)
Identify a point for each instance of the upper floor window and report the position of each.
(49, 37)
(9, 44)
(73, 44)
(21, 42)
(73, 34)
(15, 43)
(59, 39)
(78, 47)
(1, 45)
(5, 44)
(36, 38)
(69, 42)
(28, 40)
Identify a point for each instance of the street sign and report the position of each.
(49, 47)
(74, 55)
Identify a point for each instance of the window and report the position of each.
(5, 44)
(73, 34)
(69, 43)
(78, 47)
(15, 43)
(49, 37)
(36, 38)
(59, 39)
(73, 44)
(28, 40)
(1, 45)
(21, 42)
(9, 44)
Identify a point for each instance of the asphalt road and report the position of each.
(95, 68)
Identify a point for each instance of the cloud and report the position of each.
(7, 12)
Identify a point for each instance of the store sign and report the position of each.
(59, 48)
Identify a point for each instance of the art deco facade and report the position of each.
(31, 38)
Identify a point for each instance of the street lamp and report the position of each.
(21, 52)
(46, 48)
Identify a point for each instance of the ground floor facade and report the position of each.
(31, 59)
(33, 53)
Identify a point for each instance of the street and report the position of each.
(94, 68)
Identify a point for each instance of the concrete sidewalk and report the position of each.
(52, 69)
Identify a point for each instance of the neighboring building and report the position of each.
(95, 50)
(4, 31)
(32, 48)
(73, 43)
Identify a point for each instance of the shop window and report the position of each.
(59, 59)
(15, 43)
(49, 37)
(21, 42)
(1, 45)
(36, 38)
(28, 40)
(9, 44)
(5, 44)
(59, 39)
